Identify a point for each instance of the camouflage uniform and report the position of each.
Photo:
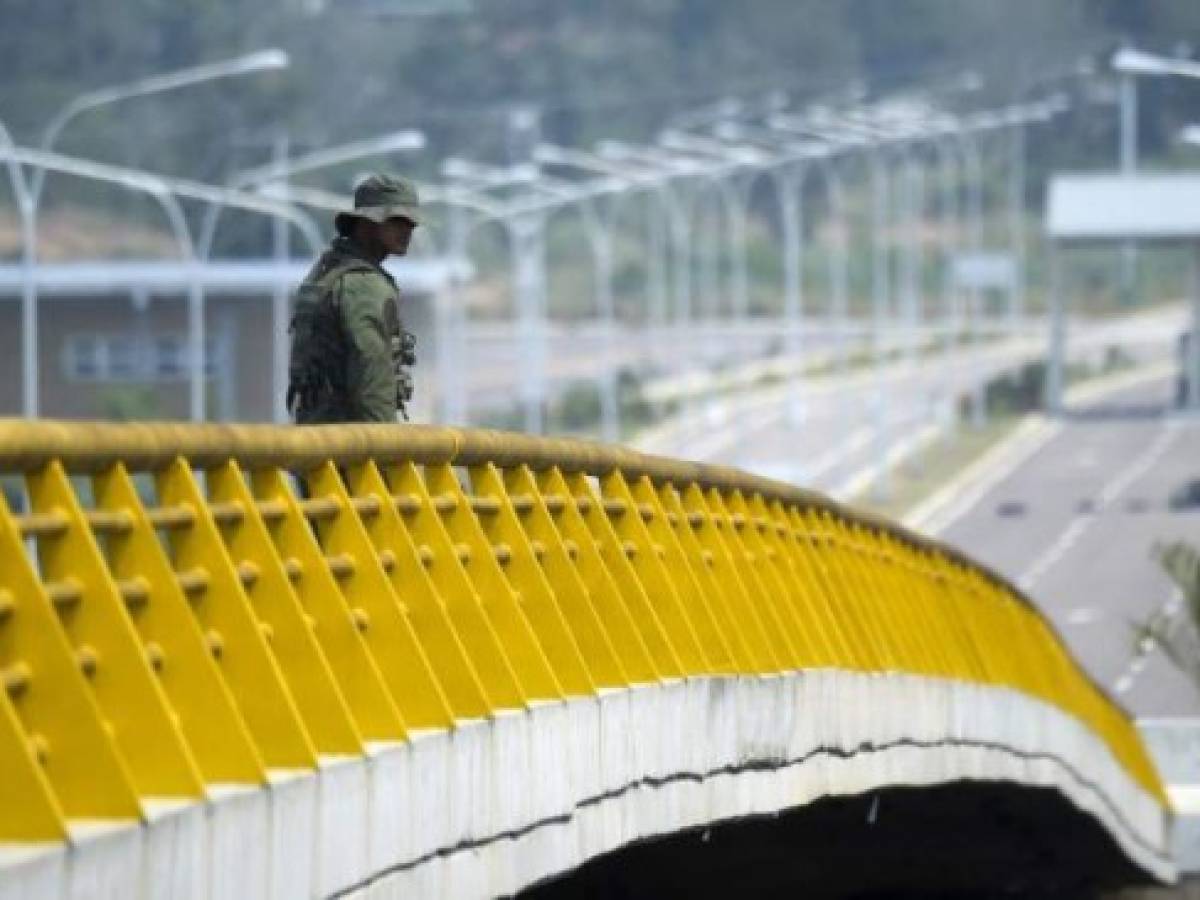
(349, 352)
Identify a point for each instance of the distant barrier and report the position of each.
(185, 608)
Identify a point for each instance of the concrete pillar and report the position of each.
(1058, 337)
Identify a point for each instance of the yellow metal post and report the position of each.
(710, 570)
(558, 558)
(521, 563)
(107, 648)
(281, 619)
(28, 809)
(427, 609)
(375, 607)
(463, 603)
(328, 614)
(632, 540)
(635, 633)
(172, 639)
(501, 603)
(813, 605)
(823, 647)
(703, 607)
(762, 580)
(61, 722)
(230, 625)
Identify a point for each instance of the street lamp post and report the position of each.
(261, 61)
(25, 211)
(788, 165)
(1016, 213)
(635, 178)
(167, 191)
(264, 60)
(527, 262)
(738, 162)
(524, 220)
(661, 177)
(1131, 64)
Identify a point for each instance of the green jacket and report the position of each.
(364, 298)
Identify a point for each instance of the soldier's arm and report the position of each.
(371, 378)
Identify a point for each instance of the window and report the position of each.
(84, 361)
(170, 358)
(121, 358)
(124, 359)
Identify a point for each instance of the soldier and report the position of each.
(350, 354)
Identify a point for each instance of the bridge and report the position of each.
(378, 661)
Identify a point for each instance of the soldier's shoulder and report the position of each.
(366, 289)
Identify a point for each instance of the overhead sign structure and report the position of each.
(1112, 207)
(984, 271)
(1089, 209)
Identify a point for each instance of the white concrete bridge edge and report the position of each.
(498, 805)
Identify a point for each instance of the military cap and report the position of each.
(383, 197)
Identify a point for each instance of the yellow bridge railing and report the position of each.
(183, 606)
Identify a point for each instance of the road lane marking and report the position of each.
(1083, 615)
(1108, 495)
(856, 442)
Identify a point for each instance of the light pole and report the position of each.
(524, 220)
(25, 210)
(788, 168)
(663, 172)
(1191, 135)
(527, 264)
(634, 178)
(738, 161)
(262, 61)
(167, 191)
(1131, 64)
(637, 178)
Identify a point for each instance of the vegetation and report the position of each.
(1177, 632)
(588, 70)
(592, 69)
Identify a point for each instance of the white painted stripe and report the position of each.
(1112, 490)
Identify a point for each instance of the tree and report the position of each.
(1178, 635)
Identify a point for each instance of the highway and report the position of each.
(832, 433)
(1075, 525)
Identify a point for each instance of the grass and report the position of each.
(915, 479)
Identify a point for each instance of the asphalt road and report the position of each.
(832, 434)
(1075, 526)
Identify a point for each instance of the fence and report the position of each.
(188, 607)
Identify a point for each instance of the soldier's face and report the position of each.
(395, 235)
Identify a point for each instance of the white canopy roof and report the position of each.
(99, 277)
(1111, 207)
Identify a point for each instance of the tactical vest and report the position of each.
(317, 388)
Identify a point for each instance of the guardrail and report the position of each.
(185, 607)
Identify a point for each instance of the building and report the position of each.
(113, 335)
